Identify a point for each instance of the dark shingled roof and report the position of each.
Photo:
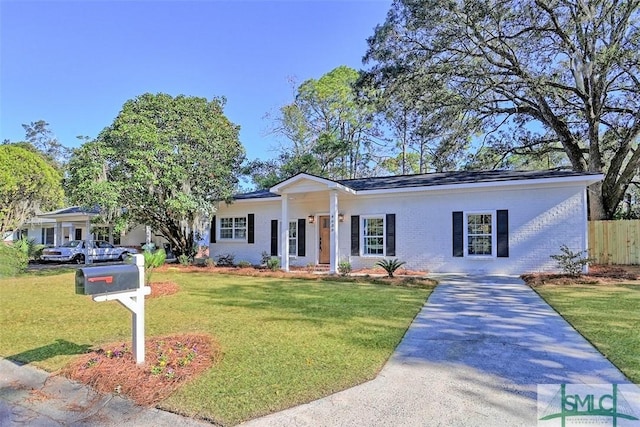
(435, 179)
(453, 178)
(74, 210)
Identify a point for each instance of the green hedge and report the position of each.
(13, 261)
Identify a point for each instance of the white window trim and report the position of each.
(232, 239)
(295, 222)
(494, 243)
(384, 236)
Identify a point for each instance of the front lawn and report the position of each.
(608, 315)
(284, 340)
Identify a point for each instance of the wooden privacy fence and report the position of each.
(614, 242)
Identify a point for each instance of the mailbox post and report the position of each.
(122, 283)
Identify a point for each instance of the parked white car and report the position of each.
(74, 251)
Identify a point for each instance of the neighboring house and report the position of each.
(74, 223)
(502, 222)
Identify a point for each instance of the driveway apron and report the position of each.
(473, 356)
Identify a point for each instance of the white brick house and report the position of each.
(501, 222)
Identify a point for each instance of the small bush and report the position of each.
(244, 264)
(184, 259)
(209, 262)
(273, 264)
(13, 261)
(225, 260)
(344, 268)
(30, 248)
(571, 263)
(390, 265)
(153, 259)
(264, 257)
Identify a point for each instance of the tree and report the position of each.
(163, 162)
(329, 131)
(564, 72)
(43, 139)
(28, 185)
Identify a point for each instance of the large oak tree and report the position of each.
(163, 162)
(29, 185)
(534, 75)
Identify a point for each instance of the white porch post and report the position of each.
(333, 212)
(284, 234)
(57, 235)
(88, 243)
(72, 231)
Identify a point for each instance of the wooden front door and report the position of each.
(324, 240)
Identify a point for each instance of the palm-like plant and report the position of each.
(390, 265)
(153, 259)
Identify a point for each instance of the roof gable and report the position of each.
(307, 183)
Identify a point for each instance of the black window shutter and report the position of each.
(355, 235)
(458, 234)
(391, 234)
(302, 235)
(44, 242)
(212, 235)
(274, 237)
(251, 225)
(502, 233)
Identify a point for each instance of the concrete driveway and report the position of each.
(473, 357)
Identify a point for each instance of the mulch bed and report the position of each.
(598, 275)
(169, 362)
(161, 289)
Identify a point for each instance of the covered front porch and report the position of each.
(321, 202)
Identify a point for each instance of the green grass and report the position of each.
(285, 341)
(608, 316)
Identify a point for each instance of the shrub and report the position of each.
(390, 265)
(184, 259)
(12, 260)
(264, 257)
(344, 268)
(244, 264)
(273, 264)
(29, 248)
(225, 260)
(153, 259)
(209, 262)
(572, 263)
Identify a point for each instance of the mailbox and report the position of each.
(106, 279)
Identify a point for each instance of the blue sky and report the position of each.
(75, 63)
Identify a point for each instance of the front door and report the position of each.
(324, 240)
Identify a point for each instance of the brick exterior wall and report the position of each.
(541, 219)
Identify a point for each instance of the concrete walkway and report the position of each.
(472, 357)
(34, 398)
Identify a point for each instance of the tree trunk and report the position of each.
(597, 209)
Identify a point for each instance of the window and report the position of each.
(102, 233)
(233, 228)
(373, 236)
(480, 234)
(48, 236)
(293, 238)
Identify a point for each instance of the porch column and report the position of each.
(333, 212)
(72, 231)
(88, 242)
(57, 235)
(284, 234)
